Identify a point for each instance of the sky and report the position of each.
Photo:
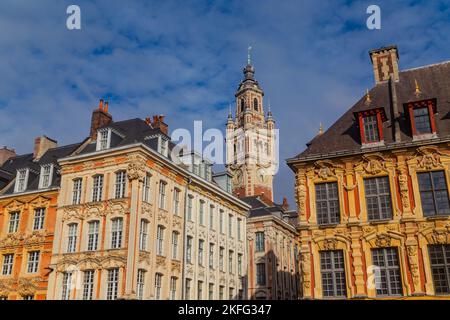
(184, 59)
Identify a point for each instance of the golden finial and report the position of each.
(418, 92)
(368, 99)
(321, 129)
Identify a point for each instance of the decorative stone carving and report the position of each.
(6, 286)
(160, 261)
(300, 191)
(250, 236)
(330, 244)
(176, 266)
(404, 191)
(413, 265)
(28, 286)
(72, 213)
(439, 237)
(373, 164)
(147, 210)
(163, 217)
(14, 205)
(11, 240)
(136, 169)
(383, 240)
(35, 238)
(428, 158)
(144, 257)
(306, 270)
(325, 169)
(176, 223)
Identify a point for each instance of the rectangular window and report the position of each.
(146, 188)
(200, 290)
(140, 284)
(120, 184)
(371, 133)
(189, 249)
(231, 294)
(230, 225)
(97, 188)
(33, 262)
(239, 264)
(14, 218)
(221, 254)
(201, 245)
(378, 198)
(8, 261)
(22, 180)
(261, 274)
(239, 232)
(45, 176)
(422, 120)
(160, 241)
(189, 207)
(333, 274)
(211, 255)
(387, 276)
(221, 215)
(188, 289)
(88, 284)
(162, 195)
(327, 203)
(440, 267)
(143, 235)
(202, 213)
(211, 217)
(221, 291)
(158, 282)
(211, 291)
(434, 193)
(39, 216)
(113, 284)
(116, 233)
(173, 288)
(103, 140)
(66, 285)
(72, 238)
(175, 245)
(94, 227)
(76, 192)
(230, 261)
(176, 202)
(260, 242)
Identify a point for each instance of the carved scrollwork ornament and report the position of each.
(383, 240)
(136, 170)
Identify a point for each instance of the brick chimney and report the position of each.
(385, 63)
(158, 123)
(100, 118)
(5, 154)
(41, 145)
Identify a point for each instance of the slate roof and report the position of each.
(344, 135)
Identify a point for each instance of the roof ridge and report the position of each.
(427, 66)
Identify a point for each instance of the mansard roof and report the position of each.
(343, 137)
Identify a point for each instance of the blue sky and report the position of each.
(184, 59)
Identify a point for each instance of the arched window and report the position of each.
(255, 104)
(242, 105)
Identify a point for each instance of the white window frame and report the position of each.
(8, 264)
(116, 233)
(158, 285)
(103, 142)
(143, 234)
(160, 240)
(39, 219)
(175, 237)
(14, 222)
(163, 146)
(21, 181)
(33, 262)
(112, 289)
(140, 284)
(120, 185)
(88, 284)
(97, 188)
(162, 195)
(146, 188)
(173, 288)
(45, 178)
(72, 233)
(77, 187)
(66, 286)
(176, 201)
(93, 235)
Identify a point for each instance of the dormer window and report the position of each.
(163, 146)
(45, 178)
(22, 180)
(421, 115)
(104, 139)
(371, 126)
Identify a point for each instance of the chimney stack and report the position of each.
(5, 154)
(100, 118)
(158, 123)
(385, 63)
(41, 145)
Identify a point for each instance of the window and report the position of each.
(211, 217)
(189, 249)
(120, 184)
(72, 237)
(76, 193)
(221, 254)
(104, 137)
(260, 242)
(188, 289)
(160, 240)
(163, 146)
(378, 198)
(162, 194)
(140, 284)
(189, 207)
(201, 244)
(422, 120)
(230, 225)
(66, 285)
(327, 203)
(116, 233)
(22, 180)
(422, 117)
(211, 255)
(146, 190)
(97, 188)
(239, 226)
(143, 234)
(173, 288)
(242, 105)
(158, 281)
(112, 284)
(39, 216)
(14, 218)
(200, 290)
(440, 267)
(33, 262)
(231, 293)
(255, 104)
(45, 179)
(8, 261)
(221, 215)
(176, 202)
(239, 264)
(230, 261)
(388, 278)
(202, 213)
(175, 245)
(221, 290)
(333, 273)
(261, 274)
(211, 291)
(88, 284)
(434, 193)
(93, 229)
(371, 133)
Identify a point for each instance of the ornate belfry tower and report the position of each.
(249, 147)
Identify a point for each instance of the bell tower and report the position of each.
(249, 146)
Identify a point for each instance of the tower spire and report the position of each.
(249, 56)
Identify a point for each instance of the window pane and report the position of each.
(422, 120)
(371, 129)
(378, 198)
